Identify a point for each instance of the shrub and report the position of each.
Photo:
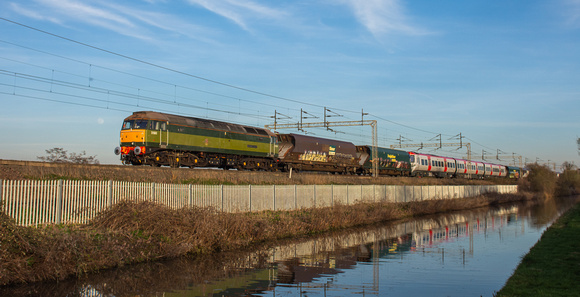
(541, 180)
(568, 181)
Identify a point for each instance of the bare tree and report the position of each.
(59, 155)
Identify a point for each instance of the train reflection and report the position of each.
(315, 265)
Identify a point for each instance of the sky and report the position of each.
(505, 75)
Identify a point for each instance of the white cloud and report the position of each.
(32, 14)
(80, 10)
(382, 17)
(124, 20)
(239, 11)
(161, 21)
(572, 11)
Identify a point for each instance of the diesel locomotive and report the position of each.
(160, 139)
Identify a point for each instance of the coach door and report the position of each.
(163, 134)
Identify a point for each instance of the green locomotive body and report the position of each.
(153, 138)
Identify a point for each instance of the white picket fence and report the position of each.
(33, 202)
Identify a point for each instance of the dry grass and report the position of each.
(39, 170)
(137, 232)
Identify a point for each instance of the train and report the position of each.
(161, 139)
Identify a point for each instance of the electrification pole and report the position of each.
(326, 124)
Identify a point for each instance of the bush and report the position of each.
(569, 181)
(541, 180)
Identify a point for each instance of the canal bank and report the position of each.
(464, 253)
(552, 267)
(139, 232)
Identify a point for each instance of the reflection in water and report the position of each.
(464, 253)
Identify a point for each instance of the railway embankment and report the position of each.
(11, 170)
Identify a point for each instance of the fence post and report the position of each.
(250, 197)
(110, 194)
(59, 193)
(331, 195)
(314, 194)
(347, 200)
(190, 194)
(274, 197)
(152, 192)
(2, 208)
(222, 194)
(295, 199)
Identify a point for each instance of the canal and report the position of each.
(468, 253)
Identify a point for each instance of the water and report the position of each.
(469, 253)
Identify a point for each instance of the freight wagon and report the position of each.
(302, 152)
(391, 162)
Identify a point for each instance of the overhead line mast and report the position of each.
(326, 124)
(439, 145)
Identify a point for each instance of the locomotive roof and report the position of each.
(197, 122)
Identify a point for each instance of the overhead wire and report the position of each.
(133, 75)
(205, 79)
(159, 66)
(101, 91)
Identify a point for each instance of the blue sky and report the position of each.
(504, 74)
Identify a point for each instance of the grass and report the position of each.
(131, 233)
(552, 267)
(39, 170)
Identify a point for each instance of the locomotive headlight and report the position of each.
(117, 151)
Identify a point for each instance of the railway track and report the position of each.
(17, 169)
